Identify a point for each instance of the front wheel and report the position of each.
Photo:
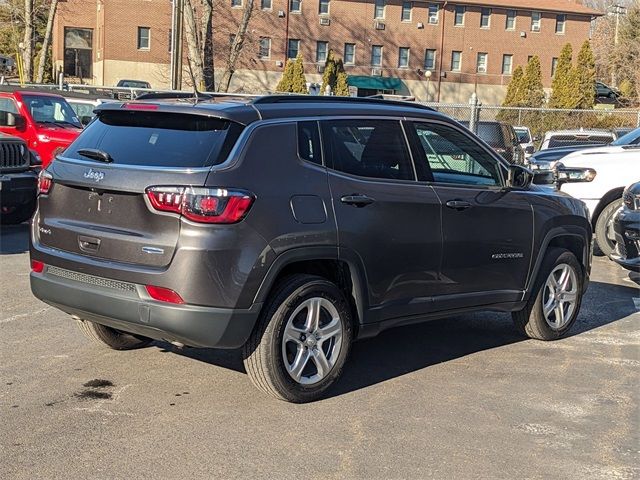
(301, 341)
(605, 235)
(554, 305)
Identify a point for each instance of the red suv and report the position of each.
(44, 120)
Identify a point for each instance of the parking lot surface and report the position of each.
(464, 397)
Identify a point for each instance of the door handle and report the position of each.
(458, 204)
(88, 244)
(357, 200)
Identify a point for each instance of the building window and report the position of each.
(430, 59)
(379, 9)
(403, 57)
(376, 55)
(459, 15)
(406, 11)
(293, 48)
(295, 6)
(456, 61)
(324, 7)
(481, 64)
(236, 3)
(560, 22)
(265, 47)
(485, 18)
(536, 19)
(144, 38)
(78, 52)
(507, 64)
(321, 51)
(265, 4)
(434, 12)
(511, 20)
(554, 65)
(349, 53)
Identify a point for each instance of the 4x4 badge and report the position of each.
(94, 175)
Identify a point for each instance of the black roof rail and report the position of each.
(274, 99)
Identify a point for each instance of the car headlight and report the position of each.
(631, 200)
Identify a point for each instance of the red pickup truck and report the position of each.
(44, 120)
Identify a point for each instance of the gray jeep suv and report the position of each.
(292, 226)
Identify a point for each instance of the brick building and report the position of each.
(430, 49)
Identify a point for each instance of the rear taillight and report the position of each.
(37, 266)
(163, 294)
(203, 205)
(45, 182)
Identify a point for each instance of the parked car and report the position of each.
(85, 106)
(621, 131)
(45, 121)
(603, 90)
(547, 159)
(567, 138)
(526, 141)
(368, 214)
(133, 84)
(502, 138)
(18, 180)
(615, 165)
(626, 228)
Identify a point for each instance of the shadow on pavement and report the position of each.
(14, 239)
(404, 350)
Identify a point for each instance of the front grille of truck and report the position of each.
(91, 280)
(13, 156)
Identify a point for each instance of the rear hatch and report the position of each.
(99, 208)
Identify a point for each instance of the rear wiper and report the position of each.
(95, 154)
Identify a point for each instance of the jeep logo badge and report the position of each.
(95, 175)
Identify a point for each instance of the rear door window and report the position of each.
(309, 142)
(158, 139)
(367, 148)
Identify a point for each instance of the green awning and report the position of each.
(376, 83)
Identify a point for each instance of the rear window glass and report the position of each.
(568, 140)
(158, 139)
(523, 136)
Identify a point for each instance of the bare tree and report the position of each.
(236, 47)
(46, 41)
(200, 41)
(26, 49)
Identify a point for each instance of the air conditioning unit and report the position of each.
(482, 69)
(535, 28)
(279, 63)
(325, 21)
(320, 68)
(523, 34)
(380, 25)
(376, 72)
(281, 13)
(420, 25)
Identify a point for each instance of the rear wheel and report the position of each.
(302, 340)
(112, 338)
(605, 235)
(17, 215)
(555, 302)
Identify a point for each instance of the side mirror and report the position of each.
(574, 175)
(86, 120)
(519, 177)
(20, 122)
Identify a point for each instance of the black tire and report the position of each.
(263, 353)
(112, 338)
(20, 214)
(531, 321)
(605, 245)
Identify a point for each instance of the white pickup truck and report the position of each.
(617, 166)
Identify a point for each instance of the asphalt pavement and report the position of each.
(460, 398)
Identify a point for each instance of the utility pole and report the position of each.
(617, 10)
(177, 16)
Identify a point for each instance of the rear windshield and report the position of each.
(523, 136)
(158, 139)
(489, 132)
(568, 140)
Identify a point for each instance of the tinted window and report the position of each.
(523, 136)
(158, 139)
(453, 157)
(50, 110)
(367, 148)
(309, 142)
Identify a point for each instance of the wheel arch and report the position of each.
(606, 199)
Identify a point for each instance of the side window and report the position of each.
(453, 157)
(309, 142)
(367, 148)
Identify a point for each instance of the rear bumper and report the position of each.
(18, 188)
(127, 307)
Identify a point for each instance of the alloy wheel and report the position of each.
(560, 296)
